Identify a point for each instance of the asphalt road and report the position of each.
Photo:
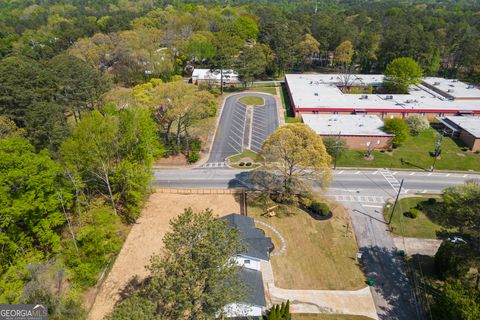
(233, 132)
(365, 193)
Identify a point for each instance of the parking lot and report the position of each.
(234, 133)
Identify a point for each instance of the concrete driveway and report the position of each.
(351, 302)
(242, 127)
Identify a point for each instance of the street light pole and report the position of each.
(438, 150)
(396, 200)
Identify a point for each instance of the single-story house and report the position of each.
(360, 132)
(214, 76)
(467, 128)
(258, 249)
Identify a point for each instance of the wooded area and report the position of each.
(91, 93)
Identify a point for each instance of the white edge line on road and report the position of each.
(371, 206)
(412, 173)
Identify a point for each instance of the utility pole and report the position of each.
(437, 152)
(337, 141)
(395, 204)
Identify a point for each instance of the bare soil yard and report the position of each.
(145, 239)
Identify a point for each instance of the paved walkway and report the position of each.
(279, 236)
(357, 302)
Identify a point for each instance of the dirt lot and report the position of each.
(145, 239)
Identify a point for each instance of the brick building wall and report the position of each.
(360, 142)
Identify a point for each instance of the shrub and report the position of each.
(412, 213)
(241, 164)
(417, 123)
(193, 157)
(248, 164)
(319, 208)
(399, 128)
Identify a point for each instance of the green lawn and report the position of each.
(252, 101)
(415, 153)
(319, 254)
(266, 90)
(289, 117)
(424, 226)
(246, 155)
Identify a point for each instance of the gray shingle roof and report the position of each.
(258, 245)
(253, 279)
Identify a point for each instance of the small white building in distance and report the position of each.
(209, 76)
(359, 131)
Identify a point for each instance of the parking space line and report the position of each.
(236, 134)
(233, 147)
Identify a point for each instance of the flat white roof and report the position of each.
(320, 91)
(469, 124)
(452, 87)
(207, 74)
(343, 124)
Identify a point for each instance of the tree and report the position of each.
(9, 129)
(114, 152)
(195, 277)
(307, 49)
(30, 206)
(280, 312)
(78, 85)
(293, 153)
(462, 204)
(343, 57)
(457, 302)
(227, 47)
(399, 128)
(251, 63)
(417, 123)
(335, 147)
(453, 260)
(402, 73)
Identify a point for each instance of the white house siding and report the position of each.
(242, 310)
(247, 262)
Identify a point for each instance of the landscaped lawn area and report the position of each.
(289, 117)
(319, 254)
(426, 225)
(327, 317)
(266, 90)
(252, 101)
(415, 154)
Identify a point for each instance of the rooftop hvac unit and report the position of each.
(316, 94)
(311, 82)
(388, 97)
(408, 101)
(364, 97)
(450, 90)
(436, 83)
(470, 86)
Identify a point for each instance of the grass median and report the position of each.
(252, 101)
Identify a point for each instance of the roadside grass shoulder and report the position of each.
(427, 225)
(415, 154)
(319, 255)
(289, 116)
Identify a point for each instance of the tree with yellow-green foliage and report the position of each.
(295, 158)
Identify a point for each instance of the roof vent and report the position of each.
(316, 94)
(360, 125)
(311, 82)
(454, 80)
(450, 90)
(408, 101)
(451, 86)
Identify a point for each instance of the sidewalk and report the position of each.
(355, 302)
